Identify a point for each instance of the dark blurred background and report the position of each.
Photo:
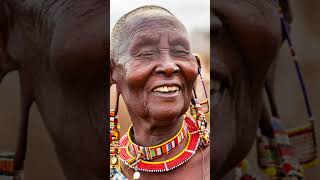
(41, 162)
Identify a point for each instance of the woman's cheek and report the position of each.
(191, 72)
(137, 74)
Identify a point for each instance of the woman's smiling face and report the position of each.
(156, 72)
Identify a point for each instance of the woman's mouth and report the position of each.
(167, 91)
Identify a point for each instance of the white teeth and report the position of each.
(166, 89)
(216, 85)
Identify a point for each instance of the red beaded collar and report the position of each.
(153, 152)
(167, 165)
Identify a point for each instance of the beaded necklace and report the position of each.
(153, 152)
(138, 164)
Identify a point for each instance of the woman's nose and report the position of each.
(167, 67)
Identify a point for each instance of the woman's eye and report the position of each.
(180, 52)
(146, 54)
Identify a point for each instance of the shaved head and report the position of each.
(122, 29)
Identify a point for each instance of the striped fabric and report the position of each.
(6, 165)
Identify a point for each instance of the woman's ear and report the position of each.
(113, 73)
(287, 11)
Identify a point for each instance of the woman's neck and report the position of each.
(147, 134)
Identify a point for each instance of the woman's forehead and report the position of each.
(144, 22)
(153, 37)
(150, 29)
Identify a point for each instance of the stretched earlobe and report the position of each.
(115, 73)
(111, 82)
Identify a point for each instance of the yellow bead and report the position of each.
(115, 134)
(271, 171)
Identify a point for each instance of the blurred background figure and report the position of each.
(305, 33)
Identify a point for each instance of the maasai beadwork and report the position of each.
(309, 130)
(244, 171)
(115, 172)
(201, 123)
(199, 110)
(289, 165)
(153, 152)
(162, 166)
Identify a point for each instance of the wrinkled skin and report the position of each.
(246, 37)
(59, 49)
(157, 53)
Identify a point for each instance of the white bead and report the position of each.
(136, 175)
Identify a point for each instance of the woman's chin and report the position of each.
(167, 116)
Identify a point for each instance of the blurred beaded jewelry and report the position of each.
(283, 155)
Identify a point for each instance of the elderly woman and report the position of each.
(154, 71)
(246, 37)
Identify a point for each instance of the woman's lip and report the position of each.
(167, 94)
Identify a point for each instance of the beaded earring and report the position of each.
(114, 137)
(198, 109)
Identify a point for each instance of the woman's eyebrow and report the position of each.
(144, 40)
(182, 41)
